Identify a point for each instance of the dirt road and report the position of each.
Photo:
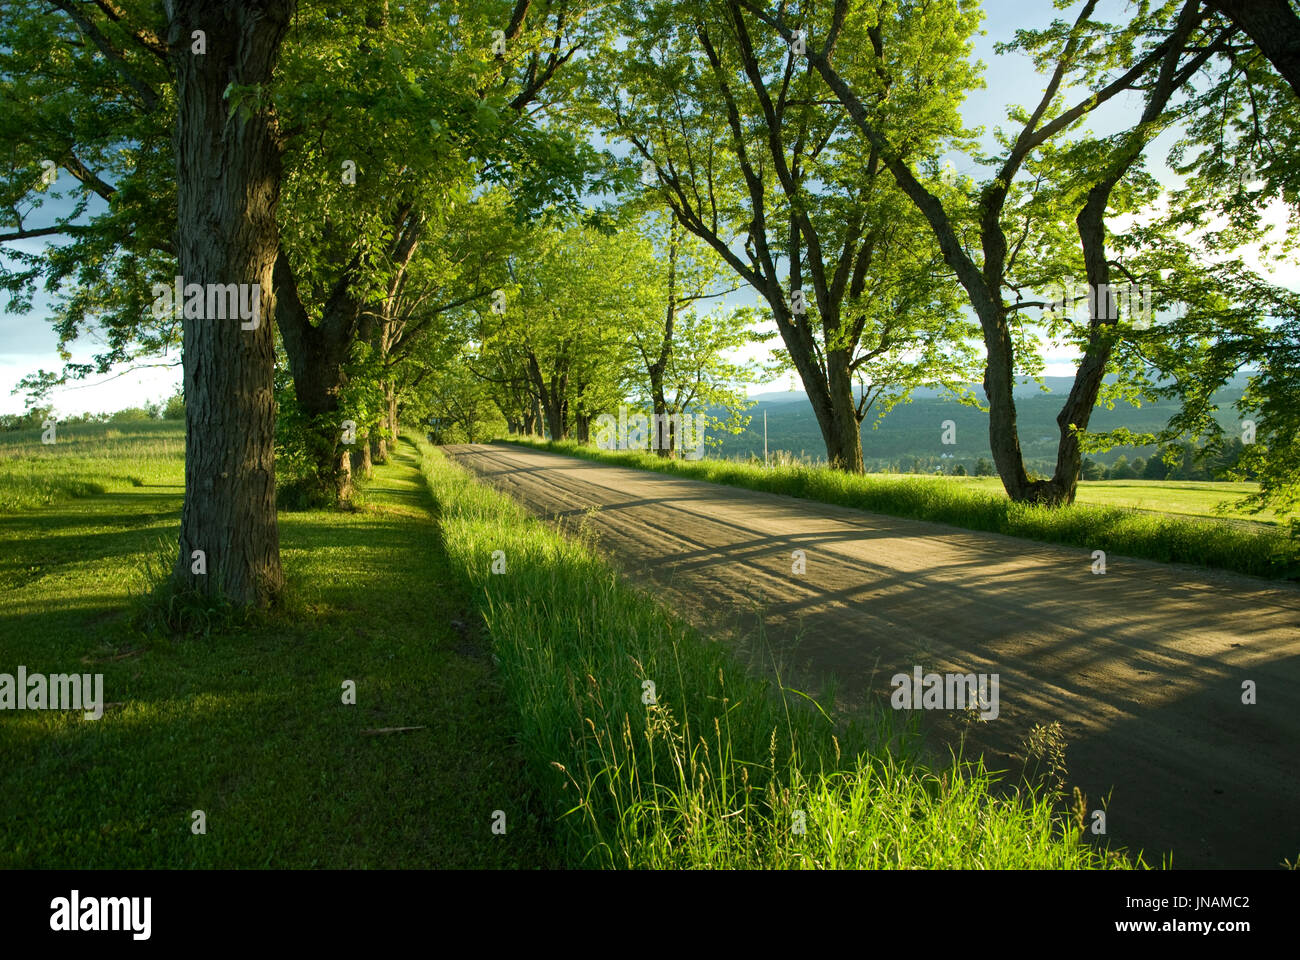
(1143, 666)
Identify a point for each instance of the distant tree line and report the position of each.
(1185, 461)
(173, 408)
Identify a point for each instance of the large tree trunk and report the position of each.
(555, 420)
(1274, 27)
(228, 183)
(831, 396)
(361, 459)
(664, 446)
(390, 398)
(999, 388)
(316, 355)
(844, 436)
(318, 398)
(830, 389)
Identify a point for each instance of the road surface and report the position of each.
(1143, 666)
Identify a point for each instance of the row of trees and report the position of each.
(173, 408)
(327, 155)
(592, 314)
(410, 186)
(1224, 462)
(815, 132)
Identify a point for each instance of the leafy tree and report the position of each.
(30, 420)
(1155, 469)
(1234, 171)
(382, 85)
(460, 407)
(421, 109)
(564, 322)
(1121, 470)
(179, 180)
(1186, 462)
(984, 467)
(174, 409)
(1016, 223)
(681, 351)
(739, 140)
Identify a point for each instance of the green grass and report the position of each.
(1189, 498)
(717, 770)
(248, 725)
(1258, 549)
(85, 460)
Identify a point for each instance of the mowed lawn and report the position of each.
(246, 724)
(1192, 498)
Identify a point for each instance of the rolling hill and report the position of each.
(913, 431)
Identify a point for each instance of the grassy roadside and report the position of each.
(1254, 549)
(655, 749)
(248, 725)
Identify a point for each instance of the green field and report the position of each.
(1189, 498)
(88, 459)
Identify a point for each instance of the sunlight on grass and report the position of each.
(86, 460)
(1263, 550)
(248, 724)
(721, 770)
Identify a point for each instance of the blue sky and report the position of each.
(27, 343)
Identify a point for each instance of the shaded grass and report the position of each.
(1254, 549)
(657, 750)
(248, 724)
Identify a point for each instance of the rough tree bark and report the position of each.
(1274, 27)
(316, 355)
(228, 172)
(361, 459)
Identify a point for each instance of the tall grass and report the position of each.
(87, 459)
(658, 750)
(1251, 549)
